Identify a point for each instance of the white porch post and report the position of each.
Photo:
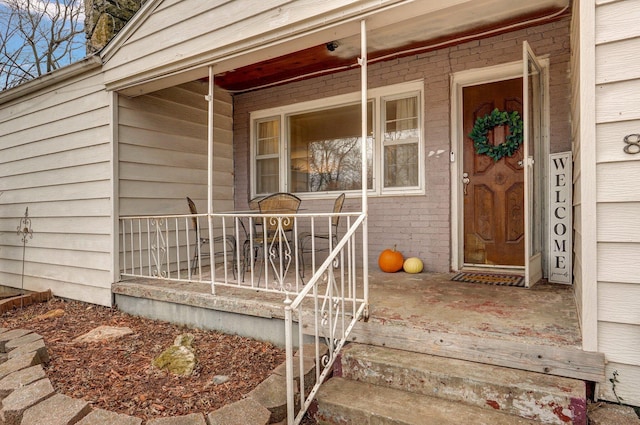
(588, 161)
(365, 227)
(210, 101)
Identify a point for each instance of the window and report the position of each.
(401, 139)
(325, 149)
(315, 147)
(267, 155)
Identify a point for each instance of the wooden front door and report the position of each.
(494, 214)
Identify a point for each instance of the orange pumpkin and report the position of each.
(390, 260)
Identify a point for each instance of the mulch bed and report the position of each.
(117, 375)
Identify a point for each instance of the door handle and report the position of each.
(465, 182)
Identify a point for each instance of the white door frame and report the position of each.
(459, 80)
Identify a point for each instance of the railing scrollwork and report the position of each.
(280, 251)
(158, 248)
(339, 302)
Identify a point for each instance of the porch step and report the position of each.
(345, 402)
(480, 387)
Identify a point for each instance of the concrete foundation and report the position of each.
(263, 323)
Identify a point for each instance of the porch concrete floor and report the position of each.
(544, 315)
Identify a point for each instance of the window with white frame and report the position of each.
(325, 149)
(401, 141)
(315, 147)
(267, 154)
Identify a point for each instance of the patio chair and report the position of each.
(202, 240)
(331, 238)
(256, 226)
(254, 205)
(273, 229)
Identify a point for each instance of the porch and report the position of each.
(533, 329)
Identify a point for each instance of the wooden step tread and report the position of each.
(359, 357)
(569, 362)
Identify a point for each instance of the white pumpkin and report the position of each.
(413, 265)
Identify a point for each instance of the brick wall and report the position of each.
(422, 227)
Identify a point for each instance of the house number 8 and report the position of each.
(632, 144)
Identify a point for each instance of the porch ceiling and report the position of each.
(390, 34)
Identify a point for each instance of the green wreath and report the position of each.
(486, 123)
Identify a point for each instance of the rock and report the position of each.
(184, 339)
(103, 333)
(612, 414)
(52, 314)
(220, 379)
(180, 358)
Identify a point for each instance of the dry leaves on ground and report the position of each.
(117, 375)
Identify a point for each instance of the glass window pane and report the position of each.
(267, 173)
(401, 120)
(401, 115)
(401, 140)
(325, 149)
(267, 155)
(401, 165)
(268, 137)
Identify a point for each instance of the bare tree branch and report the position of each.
(37, 37)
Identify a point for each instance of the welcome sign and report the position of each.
(560, 218)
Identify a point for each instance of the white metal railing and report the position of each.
(246, 253)
(169, 247)
(325, 311)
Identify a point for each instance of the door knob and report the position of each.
(465, 182)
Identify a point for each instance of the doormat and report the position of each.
(490, 278)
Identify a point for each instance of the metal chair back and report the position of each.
(279, 203)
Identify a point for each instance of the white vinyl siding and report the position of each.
(619, 303)
(163, 155)
(163, 151)
(55, 160)
(611, 215)
(617, 114)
